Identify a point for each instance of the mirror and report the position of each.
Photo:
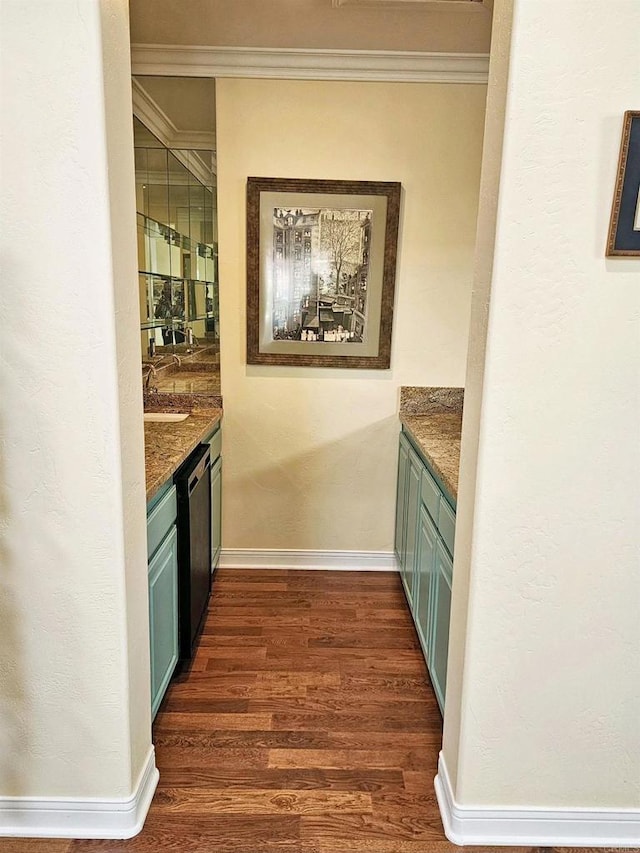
(177, 234)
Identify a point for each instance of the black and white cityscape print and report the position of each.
(320, 274)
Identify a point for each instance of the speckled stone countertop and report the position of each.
(187, 373)
(167, 445)
(188, 382)
(433, 419)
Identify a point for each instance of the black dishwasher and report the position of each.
(193, 486)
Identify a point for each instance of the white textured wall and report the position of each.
(116, 70)
(311, 455)
(550, 691)
(480, 299)
(74, 705)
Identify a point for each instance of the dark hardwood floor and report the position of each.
(306, 724)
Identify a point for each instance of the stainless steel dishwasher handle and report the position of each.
(198, 472)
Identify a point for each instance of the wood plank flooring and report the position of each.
(306, 724)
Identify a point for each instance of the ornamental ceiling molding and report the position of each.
(309, 64)
(149, 112)
(183, 143)
(428, 5)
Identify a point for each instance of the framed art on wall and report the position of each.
(624, 228)
(321, 259)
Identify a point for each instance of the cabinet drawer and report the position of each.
(447, 525)
(215, 443)
(160, 519)
(430, 494)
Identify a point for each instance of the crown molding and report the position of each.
(303, 64)
(196, 140)
(426, 5)
(159, 123)
(150, 114)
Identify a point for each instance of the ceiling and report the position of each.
(455, 26)
(180, 111)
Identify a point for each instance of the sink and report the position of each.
(164, 417)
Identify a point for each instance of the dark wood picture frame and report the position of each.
(375, 205)
(624, 227)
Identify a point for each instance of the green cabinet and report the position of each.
(216, 513)
(163, 616)
(162, 553)
(163, 591)
(409, 557)
(215, 443)
(425, 531)
(408, 496)
(401, 498)
(441, 610)
(425, 568)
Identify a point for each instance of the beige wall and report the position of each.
(310, 455)
(546, 711)
(74, 705)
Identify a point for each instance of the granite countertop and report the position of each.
(184, 372)
(433, 419)
(167, 445)
(188, 381)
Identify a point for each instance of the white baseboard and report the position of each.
(60, 817)
(348, 561)
(517, 826)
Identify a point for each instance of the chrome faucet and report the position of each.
(150, 375)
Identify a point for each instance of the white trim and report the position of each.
(195, 140)
(75, 817)
(153, 117)
(308, 64)
(518, 826)
(194, 163)
(423, 5)
(158, 122)
(348, 561)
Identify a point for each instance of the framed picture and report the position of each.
(624, 230)
(321, 260)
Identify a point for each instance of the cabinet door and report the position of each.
(413, 500)
(215, 443)
(216, 513)
(161, 516)
(401, 498)
(441, 611)
(163, 616)
(426, 563)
